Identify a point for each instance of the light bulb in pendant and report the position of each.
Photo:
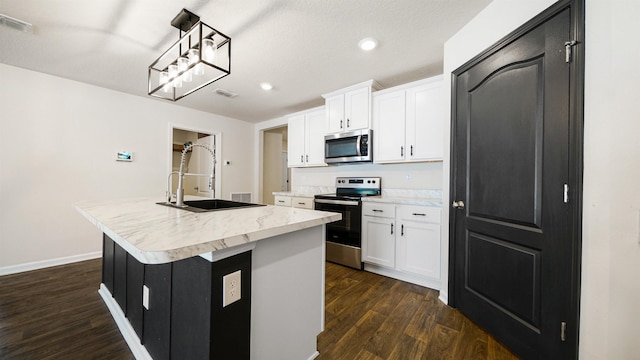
(209, 50)
(173, 74)
(194, 58)
(183, 64)
(164, 81)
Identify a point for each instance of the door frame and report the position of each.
(576, 148)
(218, 149)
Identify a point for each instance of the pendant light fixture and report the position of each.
(201, 56)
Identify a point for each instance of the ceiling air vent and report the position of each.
(225, 93)
(15, 23)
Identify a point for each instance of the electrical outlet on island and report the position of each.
(231, 288)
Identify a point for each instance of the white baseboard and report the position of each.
(14, 269)
(407, 277)
(315, 355)
(127, 331)
(444, 298)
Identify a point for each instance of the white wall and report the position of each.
(611, 218)
(59, 140)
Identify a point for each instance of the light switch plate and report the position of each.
(231, 288)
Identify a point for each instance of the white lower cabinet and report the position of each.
(402, 241)
(418, 247)
(378, 228)
(294, 201)
(282, 200)
(302, 202)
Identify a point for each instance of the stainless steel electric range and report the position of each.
(344, 243)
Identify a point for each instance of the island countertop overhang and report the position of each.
(156, 234)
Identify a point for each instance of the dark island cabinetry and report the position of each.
(181, 316)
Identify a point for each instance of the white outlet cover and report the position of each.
(145, 296)
(231, 288)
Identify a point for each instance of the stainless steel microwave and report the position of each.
(349, 147)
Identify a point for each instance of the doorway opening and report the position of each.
(275, 172)
(199, 164)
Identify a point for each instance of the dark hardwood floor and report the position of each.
(372, 317)
(56, 313)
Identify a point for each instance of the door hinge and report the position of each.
(568, 49)
(565, 197)
(563, 330)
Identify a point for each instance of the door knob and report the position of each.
(458, 204)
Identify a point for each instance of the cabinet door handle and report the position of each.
(307, 158)
(281, 201)
(411, 150)
(348, 122)
(402, 230)
(340, 124)
(401, 150)
(301, 203)
(302, 158)
(376, 210)
(418, 214)
(391, 229)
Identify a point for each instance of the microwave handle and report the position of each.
(358, 145)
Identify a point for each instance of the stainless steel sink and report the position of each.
(210, 205)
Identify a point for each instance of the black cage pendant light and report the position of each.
(201, 56)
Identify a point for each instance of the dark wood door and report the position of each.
(512, 230)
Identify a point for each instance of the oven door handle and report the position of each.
(337, 202)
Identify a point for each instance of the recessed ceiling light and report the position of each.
(368, 44)
(266, 86)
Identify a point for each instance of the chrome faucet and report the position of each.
(181, 174)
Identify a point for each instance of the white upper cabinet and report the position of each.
(389, 127)
(315, 125)
(408, 122)
(349, 109)
(306, 138)
(334, 108)
(296, 141)
(425, 121)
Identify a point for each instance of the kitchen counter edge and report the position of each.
(156, 234)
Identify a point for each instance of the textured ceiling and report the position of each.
(303, 47)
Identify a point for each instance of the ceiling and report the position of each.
(303, 47)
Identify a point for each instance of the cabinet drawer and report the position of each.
(302, 202)
(378, 209)
(420, 213)
(282, 200)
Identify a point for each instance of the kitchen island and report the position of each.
(164, 270)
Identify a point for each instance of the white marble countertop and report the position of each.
(293, 193)
(156, 234)
(423, 197)
(437, 202)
